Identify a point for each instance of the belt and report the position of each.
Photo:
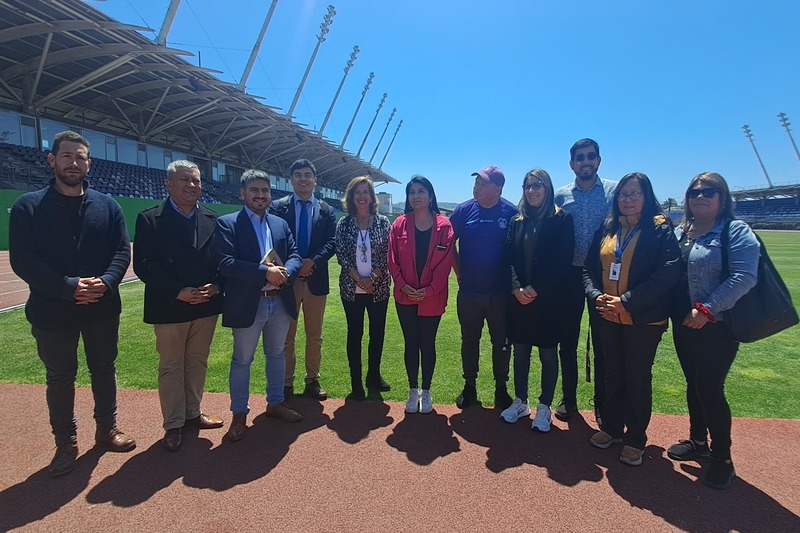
(273, 292)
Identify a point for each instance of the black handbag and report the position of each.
(767, 308)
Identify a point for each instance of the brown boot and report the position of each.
(238, 427)
(113, 440)
(64, 460)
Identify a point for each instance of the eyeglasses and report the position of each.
(632, 196)
(591, 156)
(706, 193)
(533, 186)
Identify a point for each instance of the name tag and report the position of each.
(440, 248)
(613, 274)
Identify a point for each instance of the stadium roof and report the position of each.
(65, 60)
(778, 191)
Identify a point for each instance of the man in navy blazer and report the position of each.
(313, 225)
(258, 257)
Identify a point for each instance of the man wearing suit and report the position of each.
(313, 226)
(174, 257)
(258, 258)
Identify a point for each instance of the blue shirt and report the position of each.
(588, 209)
(481, 234)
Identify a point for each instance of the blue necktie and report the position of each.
(302, 230)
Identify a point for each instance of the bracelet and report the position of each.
(706, 311)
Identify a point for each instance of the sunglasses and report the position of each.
(591, 156)
(533, 186)
(706, 193)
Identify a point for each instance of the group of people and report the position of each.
(524, 270)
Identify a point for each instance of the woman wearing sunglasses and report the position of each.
(632, 266)
(362, 249)
(705, 349)
(540, 246)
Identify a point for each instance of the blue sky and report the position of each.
(664, 87)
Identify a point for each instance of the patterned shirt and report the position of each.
(588, 209)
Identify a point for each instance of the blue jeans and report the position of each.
(58, 350)
(272, 323)
(522, 366)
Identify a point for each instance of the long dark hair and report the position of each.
(422, 180)
(725, 198)
(548, 207)
(651, 206)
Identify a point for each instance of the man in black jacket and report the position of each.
(70, 245)
(313, 225)
(174, 256)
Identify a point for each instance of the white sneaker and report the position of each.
(412, 405)
(425, 405)
(517, 409)
(542, 420)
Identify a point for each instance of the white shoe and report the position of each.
(412, 405)
(517, 409)
(425, 405)
(542, 420)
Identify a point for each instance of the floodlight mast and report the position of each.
(785, 122)
(323, 31)
(172, 10)
(358, 107)
(382, 135)
(390, 145)
(256, 47)
(749, 134)
(369, 130)
(347, 68)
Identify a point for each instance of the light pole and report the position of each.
(256, 47)
(347, 68)
(383, 135)
(358, 107)
(785, 122)
(390, 145)
(369, 130)
(749, 135)
(323, 31)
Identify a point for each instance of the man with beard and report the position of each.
(588, 200)
(70, 244)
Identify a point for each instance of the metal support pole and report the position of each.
(390, 145)
(749, 135)
(383, 135)
(347, 68)
(256, 47)
(785, 122)
(323, 30)
(358, 107)
(369, 130)
(167, 24)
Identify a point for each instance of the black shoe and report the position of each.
(565, 410)
(467, 397)
(501, 398)
(288, 392)
(64, 460)
(719, 475)
(172, 439)
(689, 450)
(378, 384)
(358, 394)
(314, 390)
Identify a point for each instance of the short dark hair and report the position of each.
(583, 143)
(69, 136)
(253, 175)
(422, 180)
(302, 163)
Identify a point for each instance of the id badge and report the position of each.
(613, 274)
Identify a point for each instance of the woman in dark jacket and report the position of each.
(632, 266)
(540, 246)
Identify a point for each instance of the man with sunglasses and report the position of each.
(588, 199)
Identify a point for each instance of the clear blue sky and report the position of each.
(664, 87)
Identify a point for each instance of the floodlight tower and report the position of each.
(785, 122)
(369, 130)
(256, 47)
(358, 107)
(383, 135)
(347, 68)
(323, 31)
(172, 10)
(749, 134)
(390, 145)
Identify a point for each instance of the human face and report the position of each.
(418, 197)
(303, 182)
(534, 191)
(70, 166)
(485, 192)
(362, 197)
(630, 199)
(185, 188)
(257, 196)
(585, 163)
(704, 209)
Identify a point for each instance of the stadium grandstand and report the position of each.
(776, 207)
(65, 65)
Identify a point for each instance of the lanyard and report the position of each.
(621, 249)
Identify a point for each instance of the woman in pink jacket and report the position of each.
(420, 259)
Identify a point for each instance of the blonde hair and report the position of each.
(350, 193)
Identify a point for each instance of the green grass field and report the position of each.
(763, 382)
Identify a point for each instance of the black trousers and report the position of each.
(706, 356)
(419, 334)
(472, 311)
(629, 354)
(354, 314)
